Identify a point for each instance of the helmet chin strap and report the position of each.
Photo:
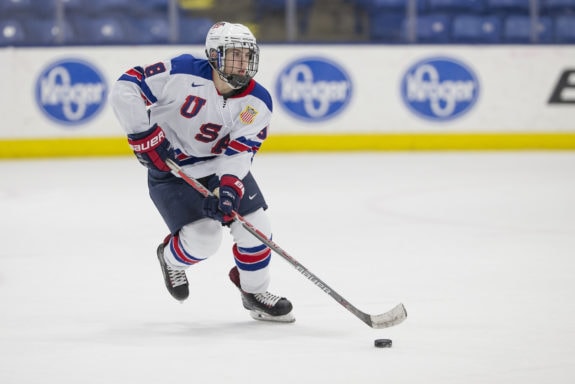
(233, 81)
(236, 81)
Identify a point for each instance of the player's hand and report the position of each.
(231, 190)
(152, 148)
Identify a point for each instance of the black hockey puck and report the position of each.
(382, 343)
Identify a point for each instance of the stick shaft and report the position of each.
(370, 320)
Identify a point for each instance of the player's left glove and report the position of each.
(231, 190)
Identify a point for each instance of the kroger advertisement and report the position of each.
(62, 92)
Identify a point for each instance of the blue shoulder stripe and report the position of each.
(188, 64)
(136, 75)
(261, 93)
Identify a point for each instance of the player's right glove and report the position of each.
(230, 193)
(152, 148)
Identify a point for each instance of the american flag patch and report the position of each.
(248, 115)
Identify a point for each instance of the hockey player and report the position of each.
(210, 117)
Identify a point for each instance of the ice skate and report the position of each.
(176, 280)
(264, 306)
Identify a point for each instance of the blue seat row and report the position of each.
(468, 6)
(93, 7)
(474, 29)
(446, 19)
(263, 8)
(100, 30)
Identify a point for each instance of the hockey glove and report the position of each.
(152, 148)
(231, 190)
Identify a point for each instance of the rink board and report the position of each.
(326, 98)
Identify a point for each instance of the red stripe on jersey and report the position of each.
(146, 100)
(240, 147)
(136, 74)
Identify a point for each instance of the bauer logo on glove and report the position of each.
(148, 143)
(152, 148)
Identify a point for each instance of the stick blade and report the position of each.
(390, 318)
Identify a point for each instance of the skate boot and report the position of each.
(175, 279)
(264, 306)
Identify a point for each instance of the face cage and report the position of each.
(237, 81)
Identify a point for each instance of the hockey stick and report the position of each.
(390, 318)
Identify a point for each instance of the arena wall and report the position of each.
(326, 97)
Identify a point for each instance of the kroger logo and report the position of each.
(71, 91)
(313, 89)
(439, 88)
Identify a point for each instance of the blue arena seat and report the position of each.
(385, 18)
(72, 7)
(565, 29)
(389, 5)
(264, 7)
(434, 28)
(557, 7)
(12, 33)
(508, 6)
(476, 29)
(74, 3)
(151, 29)
(11, 7)
(456, 6)
(154, 4)
(517, 29)
(27, 8)
(279, 5)
(153, 7)
(193, 30)
(101, 30)
(386, 27)
(48, 31)
(107, 7)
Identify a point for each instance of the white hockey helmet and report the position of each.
(223, 36)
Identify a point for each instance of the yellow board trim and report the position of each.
(64, 147)
(116, 146)
(422, 142)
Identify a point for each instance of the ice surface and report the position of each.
(480, 247)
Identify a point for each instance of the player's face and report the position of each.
(237, 61)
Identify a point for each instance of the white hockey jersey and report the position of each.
(210, 133)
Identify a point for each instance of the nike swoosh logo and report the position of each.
(251, 197)
(197, 85)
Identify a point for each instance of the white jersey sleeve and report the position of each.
(210, 133)
(129, 106)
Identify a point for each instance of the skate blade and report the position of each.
(261, 316)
